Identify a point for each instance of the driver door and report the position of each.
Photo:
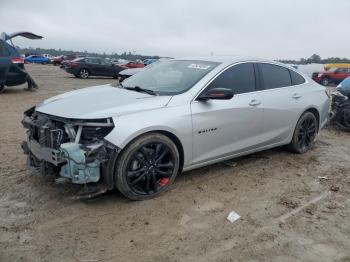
(225, 127)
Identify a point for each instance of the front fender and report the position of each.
(175, 120)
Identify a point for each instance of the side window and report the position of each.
(93, 61)
(296, 78)
(240, 78)
(275, 76)
(341, 70)
(105, 62)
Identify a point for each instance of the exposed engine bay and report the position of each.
(72, 150)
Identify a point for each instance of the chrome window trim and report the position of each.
(256, 91)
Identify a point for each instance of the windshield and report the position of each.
(170, 77)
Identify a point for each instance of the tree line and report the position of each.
(133, 56)
(316, 59)
(54, 52)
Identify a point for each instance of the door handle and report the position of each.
(254, 102)
(297, 96)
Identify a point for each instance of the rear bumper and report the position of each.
(72, 71)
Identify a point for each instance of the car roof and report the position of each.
(231, 59)
(224, 59)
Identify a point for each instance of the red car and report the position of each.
(134, 65)
(334, 75)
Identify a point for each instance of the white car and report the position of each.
(173, 116)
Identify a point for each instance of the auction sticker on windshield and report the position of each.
(199, 66)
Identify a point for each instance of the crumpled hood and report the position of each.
(100, 102)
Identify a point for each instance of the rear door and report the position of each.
(94, 66)
(108, 68)
(225, 127)
(282, 99)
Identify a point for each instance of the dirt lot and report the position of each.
(287, 212)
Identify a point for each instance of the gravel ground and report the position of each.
(288, 213)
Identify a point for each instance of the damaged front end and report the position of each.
(70, 149)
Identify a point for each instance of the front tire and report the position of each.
(147, 167)
(84, 73)
(304, 134)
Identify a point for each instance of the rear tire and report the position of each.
(147, 167)
(83, 73)
(2, 87)
(304, 134)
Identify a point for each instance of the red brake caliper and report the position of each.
(164, 181)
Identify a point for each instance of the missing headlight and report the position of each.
(91, 134)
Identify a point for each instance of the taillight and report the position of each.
(70, 64)
(17, 60)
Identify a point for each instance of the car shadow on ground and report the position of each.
(16, 90)
(195, 177)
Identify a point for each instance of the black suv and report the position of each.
(12, 71)
(84, 67)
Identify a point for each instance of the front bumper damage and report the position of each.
(70, 150)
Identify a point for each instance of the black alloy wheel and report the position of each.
(147, 167)
(305, 133)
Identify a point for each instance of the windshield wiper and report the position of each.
(143, 90)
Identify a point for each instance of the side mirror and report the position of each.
(216, 93)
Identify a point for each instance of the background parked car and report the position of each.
(120, 62)
(37, 59)
(92, 66)
(57, 60)
(66, 59)
(134, 64)
(149, 61)
(334, 75)
(12, 71)
(336, 65)
(47, 56)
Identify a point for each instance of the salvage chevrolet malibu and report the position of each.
(174, 116)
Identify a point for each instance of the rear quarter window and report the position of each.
(296, 78)
(275, 76)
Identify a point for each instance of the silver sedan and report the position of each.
(173, 116)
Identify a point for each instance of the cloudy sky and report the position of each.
(263, 28)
